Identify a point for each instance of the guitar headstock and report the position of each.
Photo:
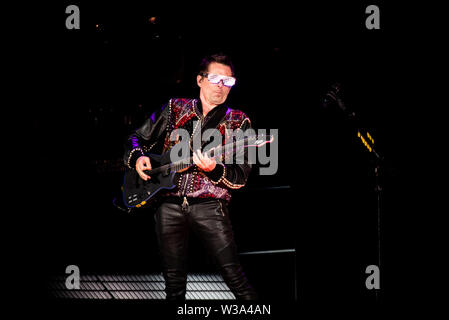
(260, 140)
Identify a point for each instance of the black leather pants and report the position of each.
(210, 222)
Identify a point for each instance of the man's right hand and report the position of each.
(143, 163)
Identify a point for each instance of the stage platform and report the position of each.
(200, 286)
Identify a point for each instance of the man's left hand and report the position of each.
(203, 161)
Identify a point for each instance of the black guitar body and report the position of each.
(138, 192)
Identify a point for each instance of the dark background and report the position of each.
(93, 86)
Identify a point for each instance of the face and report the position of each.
(214, 94)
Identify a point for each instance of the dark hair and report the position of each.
(218, 58)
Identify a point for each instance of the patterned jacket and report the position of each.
(154, 136)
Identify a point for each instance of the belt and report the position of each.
(190, 200)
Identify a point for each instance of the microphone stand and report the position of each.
(332, 96)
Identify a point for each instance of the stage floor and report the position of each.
(200, 286)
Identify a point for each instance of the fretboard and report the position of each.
(217, 152)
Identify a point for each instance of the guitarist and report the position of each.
(199, 200)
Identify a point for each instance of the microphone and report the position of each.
(332, 96)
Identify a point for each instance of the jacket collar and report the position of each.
(218, 110)
(213, 118)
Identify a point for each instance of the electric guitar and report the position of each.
(138, 192)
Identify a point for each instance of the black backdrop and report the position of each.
(96, 84)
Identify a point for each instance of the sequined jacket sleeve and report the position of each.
(232, 176)
(144, 138)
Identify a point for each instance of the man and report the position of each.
(199, 201)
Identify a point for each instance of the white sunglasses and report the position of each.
(216, 78)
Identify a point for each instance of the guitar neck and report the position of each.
(217, 152)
